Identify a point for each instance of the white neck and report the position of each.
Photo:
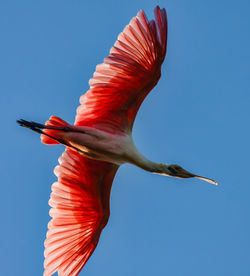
(142, 162)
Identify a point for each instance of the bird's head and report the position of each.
(177, 171)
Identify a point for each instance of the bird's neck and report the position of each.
(141, 161)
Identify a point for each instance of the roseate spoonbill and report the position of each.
(100, 141)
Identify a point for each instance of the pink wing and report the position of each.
(80, 210)
(80, 198)
(131, 70)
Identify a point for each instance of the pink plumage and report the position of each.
(80, 197)
(80, 210)
(100, 141)
(127, 75)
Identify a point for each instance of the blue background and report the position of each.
(197, 116)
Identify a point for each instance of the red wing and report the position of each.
(131, 70)
(80, 210)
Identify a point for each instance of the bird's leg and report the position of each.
(34, 126)
(37, 128)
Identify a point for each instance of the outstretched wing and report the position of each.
(131, 70)
(80, 210)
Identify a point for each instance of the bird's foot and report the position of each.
(37, 127)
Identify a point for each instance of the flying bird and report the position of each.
(100, 141)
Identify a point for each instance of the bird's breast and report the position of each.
(101, 145)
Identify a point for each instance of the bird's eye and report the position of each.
(172, 169)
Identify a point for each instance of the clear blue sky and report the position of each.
(198, 116)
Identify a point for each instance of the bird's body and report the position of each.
(117, 148)
(100, 141)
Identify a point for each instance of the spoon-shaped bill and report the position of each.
(207, 180)
(177, 171)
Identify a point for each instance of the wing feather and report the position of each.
(79, 209)
(80, 198)
(132, 69)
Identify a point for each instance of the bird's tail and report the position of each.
(50, 132)
(52, 122)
